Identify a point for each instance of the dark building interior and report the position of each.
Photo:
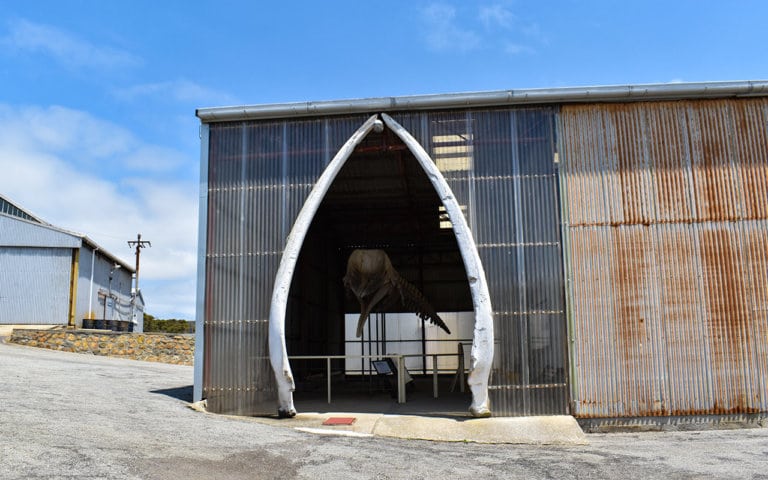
(381, 199)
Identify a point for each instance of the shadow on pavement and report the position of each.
(181, 393)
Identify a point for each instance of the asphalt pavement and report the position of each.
(65, 415)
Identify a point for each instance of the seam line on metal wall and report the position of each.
(523, 244)
(511, 177)
(259, 187)
(670, 222)
(310, 185)
(527, 387)
(233, 322)
(531, 312)
(243, 254)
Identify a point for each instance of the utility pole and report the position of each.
(139, 244)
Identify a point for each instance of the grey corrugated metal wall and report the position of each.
(500, 164)
(15, 231)
(35, 270)
(667, 242)
(28, 237)
(34, 285)
(259, 175)
(119, 307)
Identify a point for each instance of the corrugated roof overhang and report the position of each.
(616, 93)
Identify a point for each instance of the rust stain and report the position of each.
(756, 250)
(630, 162)
(712, 167)
(724, 285)
(632, 345)
(588, 410)
(682, 344)
(752, 149)
(678, 298)
(630, 269)
(685, 161)
(669, 163)
(756, 246)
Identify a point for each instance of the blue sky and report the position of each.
(97, 98)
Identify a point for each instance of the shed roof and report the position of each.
(611, 93)
(21, 228)
(21, 232)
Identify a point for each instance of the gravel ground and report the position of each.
(65, 415)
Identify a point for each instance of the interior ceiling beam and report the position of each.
(381, 202)
(379, 149)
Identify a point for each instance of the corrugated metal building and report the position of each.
(50, 276)
(619, 232)
(668, 256)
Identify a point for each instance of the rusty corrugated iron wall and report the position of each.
(666, 230)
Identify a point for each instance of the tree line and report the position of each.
(172, 325)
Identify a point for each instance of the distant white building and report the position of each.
(51, 276)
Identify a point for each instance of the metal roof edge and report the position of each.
(98, 248)
(22, 209)
(40, 224)
(84, 239)
(609, 93)
(34, 224)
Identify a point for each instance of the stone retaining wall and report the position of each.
(151, 347)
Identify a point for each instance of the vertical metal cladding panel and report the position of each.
(755, 251)
(750, 144)
(500, 165)
(35, 285)
(666, 226)
(714, 168)
(259, 175)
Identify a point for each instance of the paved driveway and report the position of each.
(66, 415)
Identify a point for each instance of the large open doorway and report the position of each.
(380, 199)
(380, 191)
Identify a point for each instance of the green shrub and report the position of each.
(152, 324)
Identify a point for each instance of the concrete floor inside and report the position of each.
(374, 394)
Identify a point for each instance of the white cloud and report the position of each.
(69, 50)
(152, 159)
(492, 27)
(443, 32)
(180, 90)
(517, 49)
(82, 139)
(59, 129)
(496, 16)
(108, 205)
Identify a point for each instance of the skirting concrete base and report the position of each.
(550, 430)
(545, 430)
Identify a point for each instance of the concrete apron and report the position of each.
(549, 430)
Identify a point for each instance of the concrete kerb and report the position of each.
(550, 430)
(561, 430)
